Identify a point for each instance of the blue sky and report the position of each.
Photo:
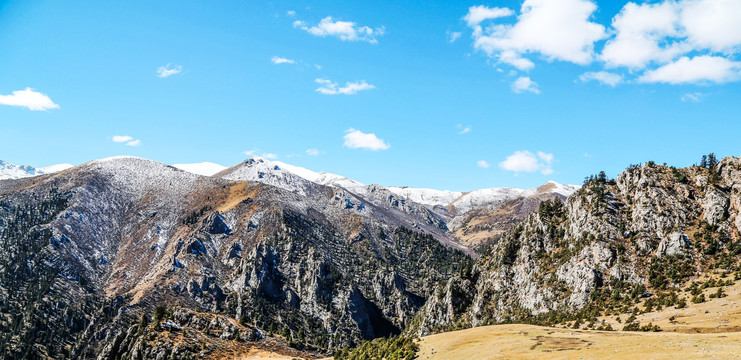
(548, 90)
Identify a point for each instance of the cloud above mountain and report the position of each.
(525, 161)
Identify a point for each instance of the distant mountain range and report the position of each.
(298, 179)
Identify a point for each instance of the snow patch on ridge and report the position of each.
(203, 168)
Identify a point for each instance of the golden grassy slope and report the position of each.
(535, 342)
(709, 330)
(712, 316)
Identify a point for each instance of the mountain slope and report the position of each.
(613, 242)
(113, 238)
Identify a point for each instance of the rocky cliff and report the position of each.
(644, 234)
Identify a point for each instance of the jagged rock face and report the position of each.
(607, 233)
(184, 334)
(147, 234)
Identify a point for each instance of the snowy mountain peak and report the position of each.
(287, 176)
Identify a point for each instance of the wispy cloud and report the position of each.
(30, 99)
(290, 13)
(166, 71)
(463, 129)
(127, 140)
(328, 87)
(603, 77)
(281, 60)
(269, 156)
(313, 152)
(344, 30)
(692, 97)
(482, 164)
(453, 36)
(356, 139)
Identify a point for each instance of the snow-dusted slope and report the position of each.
(429, 197)
(300, 180)
(204, 168)
(485, 198)
(11, 171)
(286, 176)
(271, 173)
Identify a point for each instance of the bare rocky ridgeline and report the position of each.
(646, 233)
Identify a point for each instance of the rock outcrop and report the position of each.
(654, 226)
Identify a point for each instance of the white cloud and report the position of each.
(699, 69)
(659, 33)
(640, 30)
(313, 152)
(669, 41)
(692, 97)
(523, 84)
(477, 14)
(453, 36)
(165, 71)
(556, 29)
(122, 138)
(712, 24)
(126, 139)
(603, 77)
(356, 139)
(328, 87)
(250, 152)
(525, 161)
(269, 156)
(344, 30)
(482, 164)
(30, 99)
(290, 13)
(281, 60)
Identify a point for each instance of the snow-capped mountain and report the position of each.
(12, 171)
(204, 168)
(286, 176)
(463, 202)
(429, 197)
